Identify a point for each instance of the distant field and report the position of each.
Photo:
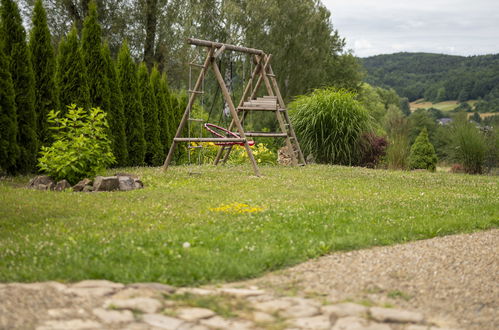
(443, 106)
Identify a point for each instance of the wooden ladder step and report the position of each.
(195, 92)
(265, 134)
(251, 108)
(197, 65)
(209, 140)
(195, 119)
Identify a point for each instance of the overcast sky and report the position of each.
(458, 27)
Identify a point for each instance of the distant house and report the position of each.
(444, 121)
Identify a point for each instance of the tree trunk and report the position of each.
(151, 23)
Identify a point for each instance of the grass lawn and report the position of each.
(293, 214)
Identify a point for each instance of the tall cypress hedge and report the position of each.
(134, 119)
(13, 38)
(71, 76)
(98, 85)
(9, 150)
(170, 115)
(115, 116)
(43, 60)
(163, 109)
(154, 153)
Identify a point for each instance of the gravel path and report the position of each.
(454, 279)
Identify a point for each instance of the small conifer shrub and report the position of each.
(422, 155)
(81, 148)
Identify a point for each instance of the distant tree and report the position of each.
(13, 38)
(163, 110)
(134, 118)
(419, 120)
(98, 85)
(441, 94)
(423, 154)
(9, 150)
(116, 117)
(476, 117)
(405, 106)
(154, 153)
(435, 113)
(44, 66)
(463, 95)
(396, 126)
(71, 76)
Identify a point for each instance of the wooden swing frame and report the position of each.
(272, 102)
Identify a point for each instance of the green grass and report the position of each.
(444, 106)
(305, 212)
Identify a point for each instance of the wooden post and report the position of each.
(234, 114)
(185, 117)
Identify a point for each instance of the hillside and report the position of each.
(437, 77)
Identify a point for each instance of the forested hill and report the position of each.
(436, 77)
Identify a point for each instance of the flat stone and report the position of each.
(162, 321)
(218, 322)
(395, 315)
(39, 285)
(65, 312)
(88, 189)
(138, 184)
(80, 185)
(154, 286)
(108, 316)
(75, 324)
(106, 183)
(417, 327)
(126, 183)
(38, 180)
(98, 284)
(243, 293)
(194, 314)
(129, 293)
(350, 323)
(378, 326)
(144, 305)
(89, 292)
(262, 317)
(133, 176)
(136, 326)
(196, 291)
(316, 322)
(345, 309)
(62, 185)
(272, 306)
(300, 311)
(192, 326)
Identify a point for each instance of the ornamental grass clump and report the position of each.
(329, 124)
(468, 146)
(81, 148)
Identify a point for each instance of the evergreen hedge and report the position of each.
(163, 105)
(423, 154)
(13, 38)
(43, 61)
(134, 119)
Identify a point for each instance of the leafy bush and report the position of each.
(373, 149)
(423, 154)
(81, 148)
(208, 151)
(468, 146)
(329, 124)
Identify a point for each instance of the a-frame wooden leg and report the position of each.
(185, 117)
(234, 114)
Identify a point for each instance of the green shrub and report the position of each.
(468, 146)
(81, 148)
(423, 154)
(329, 124)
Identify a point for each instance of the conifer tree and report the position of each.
(116, 118)
(151, 119)
(95, 65)
(71, 76)
(9, 150)
(43, 60)
(170, 114)
(13, 38)
(134, 119)
(423, 154)
(163, 109)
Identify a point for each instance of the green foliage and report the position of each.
(396, 126)
(307, 212)
(329, 124)
(44, 66)
(115, 115)
(93, 59)
(468, 146)
(71, 76)
(134, 119)
(420, 120)
(154, 154)
(13, 39)
(81, 148)
(9, 150)
(162, 96)
(423, 154)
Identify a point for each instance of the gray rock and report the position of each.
(154, 286)
(107, 316)
(395, 315)
(106, 183)
(75, 324)
(126, 183)
(88, 189)
(343, 310)
(62, 185)
(144, 305)
(38, 180)
(90, 292)
(98, 284)
(416, 327)
(82, 184)
(194, 314)
(133, 176)
(218, 322)
(262, 317)
(243, 293)
(162, 321)
(350, 323)
(315, 322)
(273, 306)
(300, 311)
(138, 184)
